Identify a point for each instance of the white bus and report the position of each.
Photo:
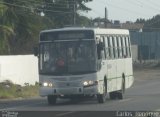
(77, 62)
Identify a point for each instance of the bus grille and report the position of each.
(67, 79)
(68, 84)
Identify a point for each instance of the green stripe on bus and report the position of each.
(118, 77)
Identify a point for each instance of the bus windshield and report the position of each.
(67, 57)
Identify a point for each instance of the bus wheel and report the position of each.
(51, 99)
(113, 95)
(121, 92)
(102, 97)
(120, 95)
(116, 95)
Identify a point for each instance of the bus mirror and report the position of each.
(100, 46)
(35, 49)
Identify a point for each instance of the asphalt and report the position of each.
(144, 96)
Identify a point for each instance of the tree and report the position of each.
(21, 21)
(5, 30)
(84, 21)
(63, 11)
(153, 23)
(140, 20)
(20, 16)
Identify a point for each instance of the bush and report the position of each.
(9, 90)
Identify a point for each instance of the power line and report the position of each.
(149, 5)
(44, 4)
(127, 10)
(34, 8)
(153, 4)
(139, 4)
(74, 12)
(57, 5)
(54, 3)
(121, 8)
(134, 3)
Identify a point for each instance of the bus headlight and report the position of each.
(46, 84)
(89, 83)
(85, 83)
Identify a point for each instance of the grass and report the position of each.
(10, 91)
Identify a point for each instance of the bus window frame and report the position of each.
(115, 47)
(111, 46)
(123, 47)
(129, 44)
(120, 47)
(107, 48)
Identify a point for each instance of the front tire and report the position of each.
(102, 97)
(51, 99)
(113, 95)
(120, 95)
(116, 95)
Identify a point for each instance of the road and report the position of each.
(144, 95)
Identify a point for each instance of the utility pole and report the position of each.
(106, 17)
(74, 12)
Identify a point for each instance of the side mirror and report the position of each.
(36, 51)
(100, 46)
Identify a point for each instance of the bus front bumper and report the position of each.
(44, 91)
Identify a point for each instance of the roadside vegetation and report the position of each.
(21, 21)
(8, 90)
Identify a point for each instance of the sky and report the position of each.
(124, 10)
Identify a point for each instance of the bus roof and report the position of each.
(96, 30)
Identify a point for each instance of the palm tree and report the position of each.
(5, 31)
(19, 19)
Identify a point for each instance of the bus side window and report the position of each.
(123, 47)
(115, 47)
(127, 46)
(107, 48)
(129, 49)
(104, 48)
(110, 46)
(120, 47)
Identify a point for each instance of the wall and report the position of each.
(134, 49)
(19, 69)
(148, 44)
